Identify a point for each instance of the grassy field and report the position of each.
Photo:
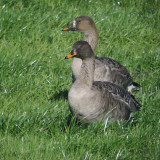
(35, 121)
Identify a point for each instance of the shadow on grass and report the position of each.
(60, 95)
(72, 124)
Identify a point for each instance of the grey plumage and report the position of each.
(93, 100)
(106, 69)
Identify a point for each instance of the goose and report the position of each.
(92, 101)
(106, 69)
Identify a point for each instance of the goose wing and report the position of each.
(118, 93)
(117, 68)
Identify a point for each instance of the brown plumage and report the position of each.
(91, 100)
(106, 69)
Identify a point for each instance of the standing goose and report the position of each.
(91, 100)
(106, 69)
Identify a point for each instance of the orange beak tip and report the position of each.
(71, 55)
(65, 29)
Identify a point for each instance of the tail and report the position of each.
(132, 86)
(136, 84)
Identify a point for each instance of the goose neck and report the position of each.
(86, 76)
(92, 38)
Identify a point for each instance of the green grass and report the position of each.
(35, 79)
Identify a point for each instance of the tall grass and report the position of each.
(35, 121)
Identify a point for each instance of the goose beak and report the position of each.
(69, 28)
(65, 29)
(71, 55)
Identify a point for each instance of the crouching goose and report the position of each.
(91, 100)
(106, 69)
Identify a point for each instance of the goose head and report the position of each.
(82, 50)
(83, 24)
